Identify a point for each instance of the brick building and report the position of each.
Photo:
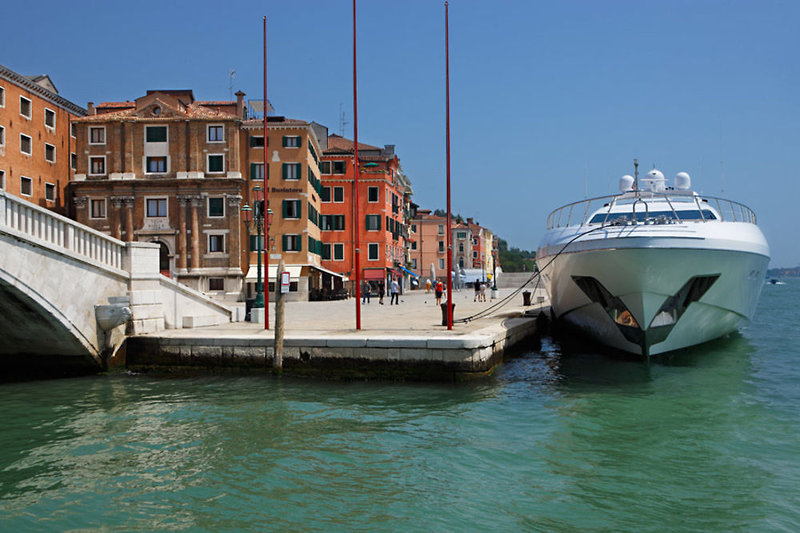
(290, 161)
(384, 200)
(166, 169)
(36, 145)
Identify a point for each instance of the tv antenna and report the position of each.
(231, 76)
(342, 121)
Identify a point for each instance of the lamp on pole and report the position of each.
(258, 219)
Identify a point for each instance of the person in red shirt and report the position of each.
(439, 291)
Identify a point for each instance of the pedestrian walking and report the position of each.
(477, 288)
(364, 292)
(381, 290)
(482, 297)
(439, 291)
(395, 293)
(428, 286)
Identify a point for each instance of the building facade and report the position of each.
(166, 169)
(287, 163)
(37, 145)
(383, 204)
(430, 245)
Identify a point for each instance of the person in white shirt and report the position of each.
(395, 293)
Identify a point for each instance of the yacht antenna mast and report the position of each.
(636, 176)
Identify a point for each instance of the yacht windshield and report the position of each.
(599, 218)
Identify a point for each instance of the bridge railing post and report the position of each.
(2, 209)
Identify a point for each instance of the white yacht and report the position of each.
(654, 268)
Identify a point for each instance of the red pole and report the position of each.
(265, 244)
(449, 219)
(356, 169)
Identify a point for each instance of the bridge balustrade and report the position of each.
(58, 232)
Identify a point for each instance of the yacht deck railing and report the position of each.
(580, 212)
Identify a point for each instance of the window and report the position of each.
(441, 246)
(331, 222)
(292, 243)
(256, 141)
(414, 228)
(372, 251)
(155, 165)
(49, 118)
(25, 107)
(97, 135)
(50, 192)
(325, 194)
(373, 222)
(326, 252)
(50, 153)
(216, 206)
(441, 263)
(338, 195)
(291, 209)
(441, 229)
(216, 133)
(337, 167)
(372, 194)
(256, 243)
(25, 186)
(475, 241)
(291, 141)
(474, 255)
(291, 171)
(2, 136)
(413, 245)
(2, 180)
(155, 134)
(97, 208)
(215, 163)
(216, 284)
(156, 207)
(338, 251)
(461, 247)
(2, 97)
(97, 165)
(461, 235)
(73, 130)
(73, 161)
(257, 171)
(216, 243)
(25, 144)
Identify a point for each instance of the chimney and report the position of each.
(91, 109)
(388, 149)
(240, 104)
(469, 221)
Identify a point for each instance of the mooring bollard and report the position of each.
(444, 312)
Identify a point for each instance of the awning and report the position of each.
(252, 273)
(331, 272)
(374, 274)
(407, 271)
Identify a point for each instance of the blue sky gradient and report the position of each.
(542, 94)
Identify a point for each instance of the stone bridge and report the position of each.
(69, 294)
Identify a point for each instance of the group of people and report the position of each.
(480, 291)
(394, 291)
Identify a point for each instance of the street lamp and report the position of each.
(254, 219)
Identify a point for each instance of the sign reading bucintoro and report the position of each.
(284, 189)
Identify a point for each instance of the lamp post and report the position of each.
(255, 219)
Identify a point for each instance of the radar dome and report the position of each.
(654, 181)
(626, 183)
(682, 181)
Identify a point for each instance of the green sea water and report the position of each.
(556, 440)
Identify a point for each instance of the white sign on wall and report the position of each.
(284, 282)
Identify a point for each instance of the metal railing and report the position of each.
(58, 232)
(579, 213)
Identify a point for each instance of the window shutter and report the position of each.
(299, 244)
(252, 171)
(285, 208)
(299, 208)
(285, 142)
(378, 218)
(285, 168)
(285, 242)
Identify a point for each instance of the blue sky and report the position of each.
(542, 94)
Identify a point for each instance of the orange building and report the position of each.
(429, 248)
(37, 144)
(290, 161)
(384, 199)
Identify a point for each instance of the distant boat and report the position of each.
(653, 269)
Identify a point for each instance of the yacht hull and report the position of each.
(650, 300)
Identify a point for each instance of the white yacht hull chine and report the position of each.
(651, 300)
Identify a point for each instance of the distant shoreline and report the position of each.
(783, 272)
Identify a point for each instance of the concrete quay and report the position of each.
(405, 341)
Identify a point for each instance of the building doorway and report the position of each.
(164, 259)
